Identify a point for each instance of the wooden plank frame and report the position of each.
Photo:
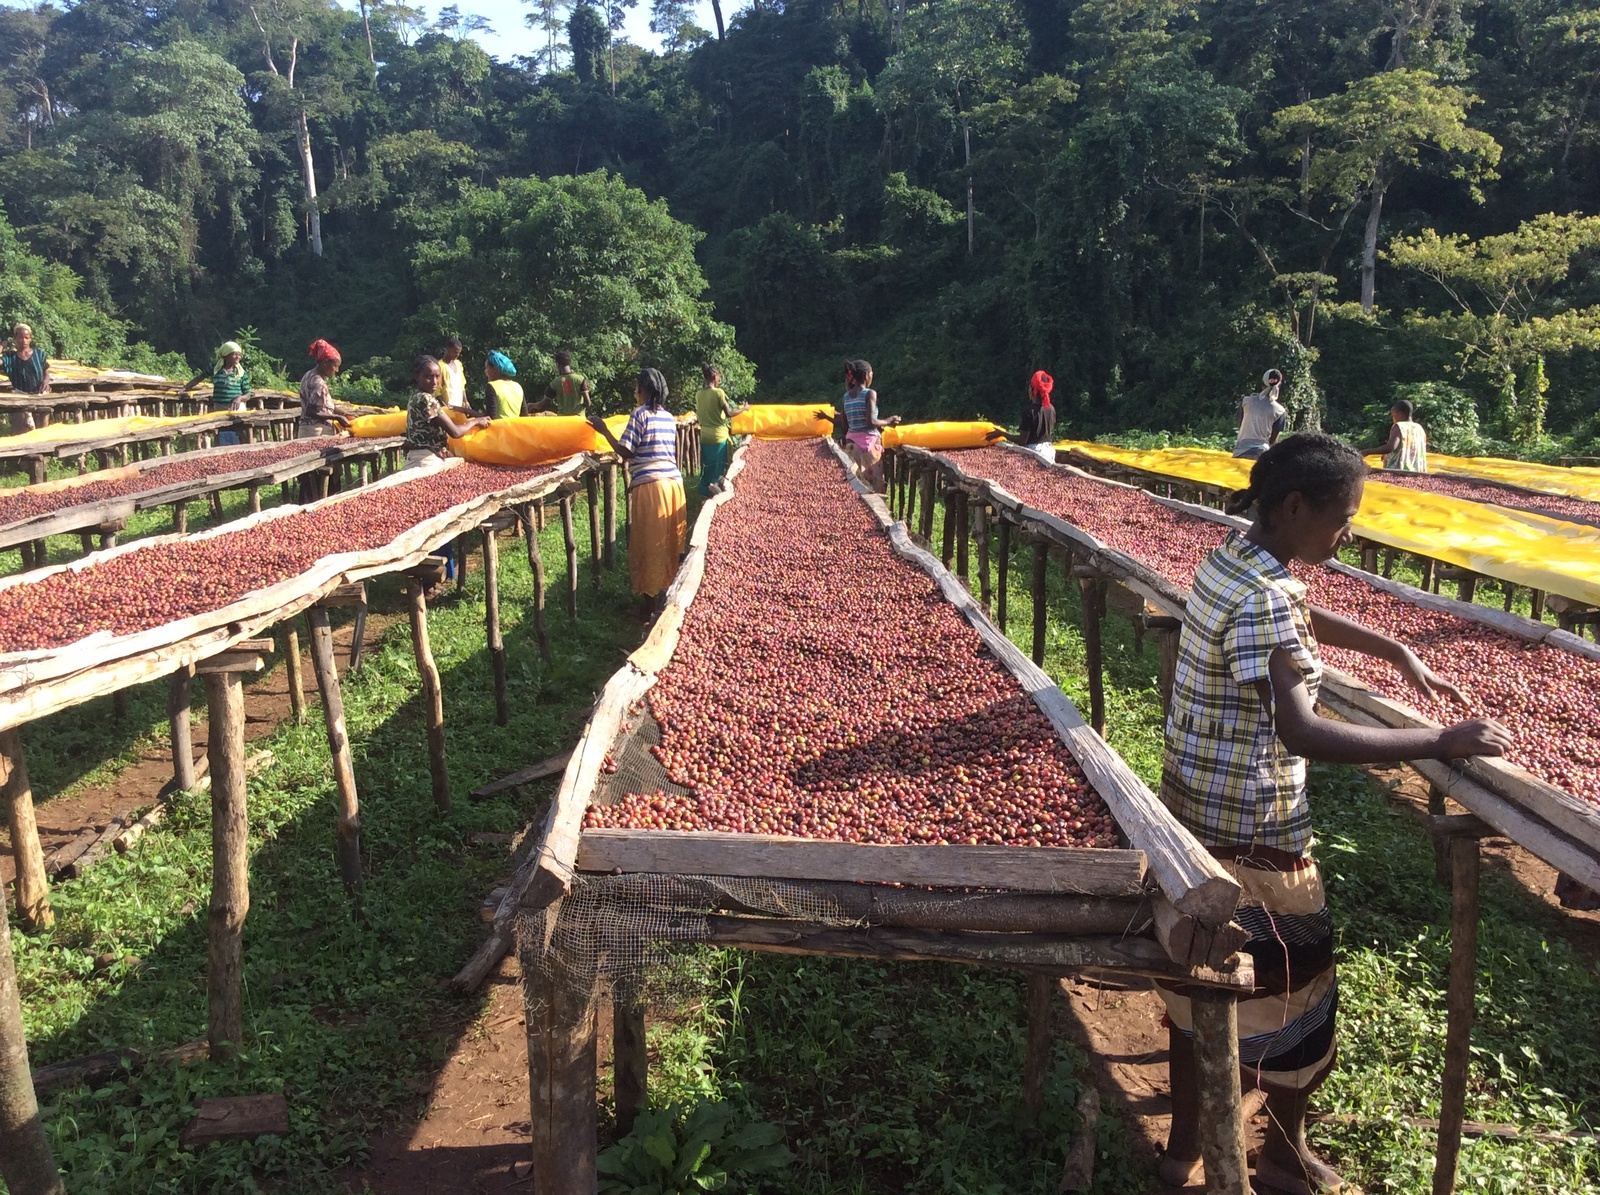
(36, 683)
(1548, 822)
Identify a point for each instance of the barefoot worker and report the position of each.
(658, 523)
(1242, 726)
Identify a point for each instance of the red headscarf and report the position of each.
(321, 351)
(1041, 385)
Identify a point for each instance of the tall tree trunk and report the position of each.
(966, 140)
(25, 1161)
(366, 25)
(308, 169)
(716, 12)
(1369, 247)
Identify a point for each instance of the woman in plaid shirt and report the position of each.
(1242, 726)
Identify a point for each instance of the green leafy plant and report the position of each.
(684, 1148)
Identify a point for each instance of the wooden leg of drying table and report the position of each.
(1458, 1031)
(1004, 579)
(630, 1062)
(33, 887)
(572, 556)
(491, 621)
(561, 1081)
(1036, 1064)
(230, 863)
(180, 690)
(530, 522)
(1041, 561)
(1216, 1056)
(432, 692)
(344, 772)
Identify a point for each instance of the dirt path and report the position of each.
(266, 704)
(474, 1135)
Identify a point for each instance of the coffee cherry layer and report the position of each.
(23, 504)
(1556, 506)
(822, 687)
(1544, 694)
(151, 586)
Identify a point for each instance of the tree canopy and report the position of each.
(1153, 200)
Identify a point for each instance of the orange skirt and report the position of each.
(658, 533)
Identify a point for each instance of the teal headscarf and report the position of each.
(503, 363)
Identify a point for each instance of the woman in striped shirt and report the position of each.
(658, 523)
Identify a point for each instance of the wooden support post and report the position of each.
(25, 1161)
(629, 1061)
(1429, 581)
(180, 518)
(1166, 631)
(86, 541)
(283, 493)
(1467, 587)
(491, 622)
(1091, 598)
(908, 503)
(963, 506)
(344, 773)
(536, 566)
(610, 492)
(33, 886)
(215, 497)
(1003, 581)
(927, 506)
(947, 540)
(180, 690)
(1216, 1059)
(1441, 846)
(358, 632)
(432, 691)
(1538, 605)
(119, 705)
(255, 498)
(561, 1081)
(458, 549)
(980, 532)
(108, 538)
(41, 553)
(1036, 1062)
(1458, 1030)
(1510, 592)
(591, 486)
(230, 863)
(291, 666)
(1369, 556)
(1041, 561)
(572, 556)
(538, 515)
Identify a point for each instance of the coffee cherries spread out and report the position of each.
(823, 688)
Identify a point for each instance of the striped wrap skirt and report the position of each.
(1286, 1024)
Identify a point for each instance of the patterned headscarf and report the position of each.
(321, 351)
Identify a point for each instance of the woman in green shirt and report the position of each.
(230, 385)
(714, 413)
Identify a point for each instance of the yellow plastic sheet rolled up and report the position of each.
(940, 435)
(535, 439)
(1512, 545)
(782, 421)
(372, 427)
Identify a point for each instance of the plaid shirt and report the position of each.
(1226, 775)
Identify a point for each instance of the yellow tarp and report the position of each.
(534, 439)
(1525, 549)
(95, 429)
(1550, 479)
(782, 421)
(373, 427)
(938, 436)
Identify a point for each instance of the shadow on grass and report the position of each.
(348, 1014)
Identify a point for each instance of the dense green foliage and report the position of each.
(1152, 200)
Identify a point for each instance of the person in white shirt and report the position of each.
(1261, 418)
